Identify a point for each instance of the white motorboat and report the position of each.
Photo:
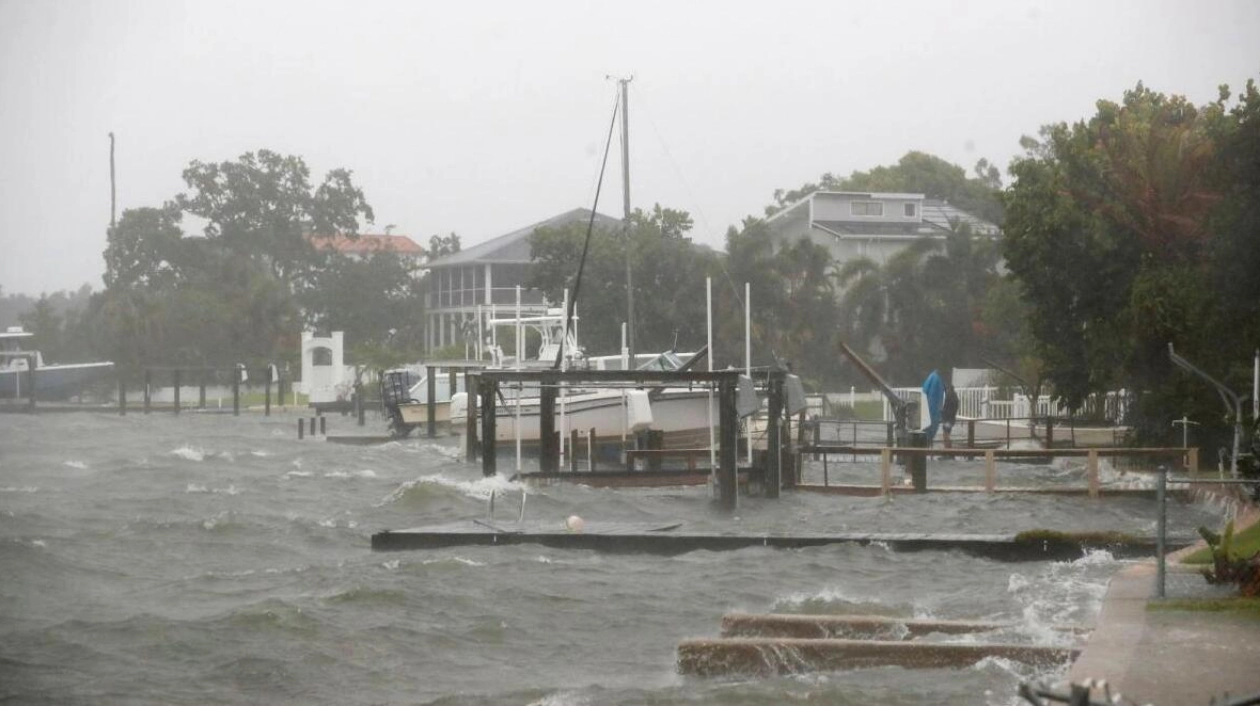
(52, 381)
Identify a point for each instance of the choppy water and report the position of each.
(212, 559)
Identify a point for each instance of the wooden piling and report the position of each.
(122, 396)
(1091, 469)
(990, 471)
(590, 450)
(301, 427)
(236, 392)
(488, 388)
(885, 470)
(430, 404)
(573, 459)
(774, 452)
(548, 453)
(267, 392)
(728, 488)
(323, 429)
(148, 393)
(472, 386)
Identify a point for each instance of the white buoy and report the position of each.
(574, 524)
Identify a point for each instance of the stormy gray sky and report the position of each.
(483, 117)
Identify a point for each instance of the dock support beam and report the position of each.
(488, 387)
(177, 381)
(774, 440)
(548, 451)
(472, 386)
(1091, 470)
(728, 423)
(430, 404)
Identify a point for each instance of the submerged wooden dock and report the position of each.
(775, 644)
(668, 538)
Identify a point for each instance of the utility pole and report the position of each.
(625, 224)
(113, 202)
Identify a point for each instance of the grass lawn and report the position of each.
(1242, 606)
(1246, 544)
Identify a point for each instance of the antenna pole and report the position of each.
(625, 191)
(112, 198)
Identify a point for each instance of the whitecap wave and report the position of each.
(192, 454)
(75, 464)
(479, 489)
(19, 489)
(298, 474)
(360, 474)
(196, 488)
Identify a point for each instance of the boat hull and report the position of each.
(52, 383)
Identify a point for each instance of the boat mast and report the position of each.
(625, 223)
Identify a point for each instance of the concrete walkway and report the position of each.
(1171, 657)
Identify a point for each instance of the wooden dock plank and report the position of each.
(780, 656)
(668, 541)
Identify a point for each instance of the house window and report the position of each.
(910, 210)
(867, 208)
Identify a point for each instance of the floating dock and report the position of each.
(667, 539)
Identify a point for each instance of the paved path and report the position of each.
(1171, 657)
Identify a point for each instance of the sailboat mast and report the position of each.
(625, 223)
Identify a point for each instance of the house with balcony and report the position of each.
(873, 225)
(481, 281)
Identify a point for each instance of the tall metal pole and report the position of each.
(625, 190)
(113, 202)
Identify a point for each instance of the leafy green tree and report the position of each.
(263, 205)
(441, 246)
(668, 276)
(145, 248)
(1133, 229)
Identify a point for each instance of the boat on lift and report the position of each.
(53, 382)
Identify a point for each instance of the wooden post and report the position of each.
(358, 401)
(301, 427)
(774, 440)
(452, 377)
(236, 392)
(990, 471)
(267, 392)
(1091, 466)
(31, 364)
(148, 380)
(971, 434)
(590, 450)
(323, 426)
(122, 396)
(430, 405)
(1192, 462)
(885, 470)
(573, 460)
(548, 452)
(201, 392)
(177, 381)
(1049, 432)
(472, 386)
(728, 473)
(488, 388)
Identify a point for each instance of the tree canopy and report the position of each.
(1134, 229)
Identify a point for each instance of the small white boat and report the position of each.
(52, 381)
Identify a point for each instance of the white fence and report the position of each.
(983, 403)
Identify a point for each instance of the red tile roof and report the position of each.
(367, 243)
